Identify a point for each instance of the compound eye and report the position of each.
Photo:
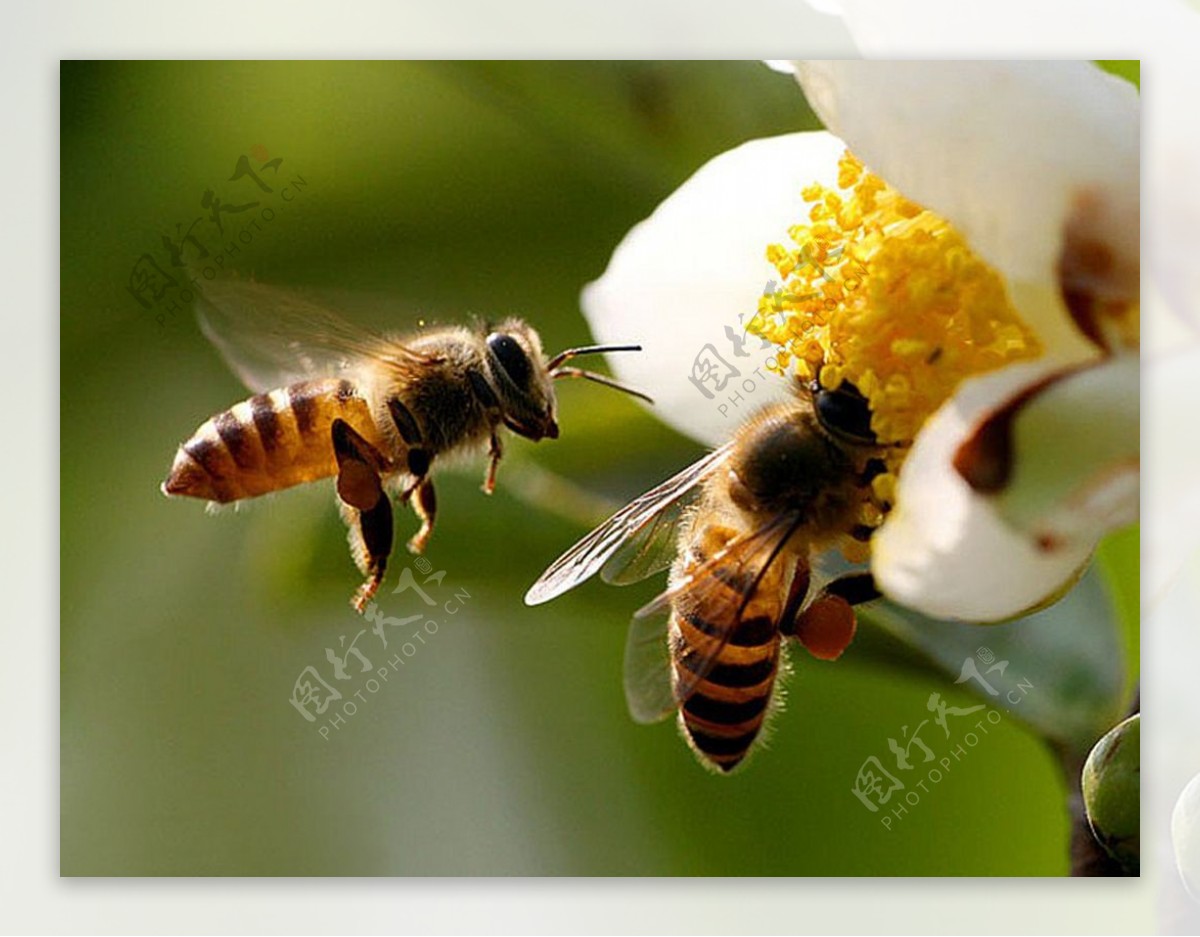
(844, 412)
(511, 357)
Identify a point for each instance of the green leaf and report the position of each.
(1129, 69)
(1118, 559)
(1072, 653)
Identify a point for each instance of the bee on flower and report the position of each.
(961, 248)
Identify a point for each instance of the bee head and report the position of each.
(843, 413)
(521, 380)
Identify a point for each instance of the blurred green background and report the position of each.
(502, 746)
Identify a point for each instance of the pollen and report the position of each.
(881, 292)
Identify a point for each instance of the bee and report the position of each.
(375, 411)
(740, 529)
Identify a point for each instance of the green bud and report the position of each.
(1112, 792)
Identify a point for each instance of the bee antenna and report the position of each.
(564, 356)
(558, 372)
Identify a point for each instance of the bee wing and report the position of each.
(591, 553)
(647, 672)
(652, 689)
(271, 337)
(651, 549)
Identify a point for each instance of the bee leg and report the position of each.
(797, 593)
(417, 459)
(358, 480)
(365, 507)
(422, 496)
(371, 545)
(494, 453)
(424, 501)
(826, 627)
(855, 588)
(862, 533)
(872, 470)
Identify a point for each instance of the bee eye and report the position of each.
(508, 352)
(844, 412)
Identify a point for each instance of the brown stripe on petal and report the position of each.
(985, 458)
(1077, 292)
(1099, 291)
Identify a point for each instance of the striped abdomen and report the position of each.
(725, 712)
(269, 442)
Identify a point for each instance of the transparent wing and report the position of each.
(649, 684)
(271, 337)
(591, 553)
(651, 549)
(718, 590)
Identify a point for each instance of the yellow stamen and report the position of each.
(883, 293)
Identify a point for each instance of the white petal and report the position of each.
(1076, 455)
(696, 268)
(943, 550)
(828, 7)
(1030, 29)
(1008, 152)
(1164, 331)
(1172, 527)
(1165, 32)
(1173, 186)
(1185, 835)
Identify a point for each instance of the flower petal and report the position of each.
(944, 550)
(1172, 491)
(1072, 450)
(1015, 155)
(1185, 836)
(1166, 31)
(941, 29)
(684, 281)
(1173, 152)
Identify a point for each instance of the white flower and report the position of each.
(1036, 166)
(1164, 35)
(1185, 835)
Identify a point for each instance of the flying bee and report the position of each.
(376, 411)
(788, 486)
